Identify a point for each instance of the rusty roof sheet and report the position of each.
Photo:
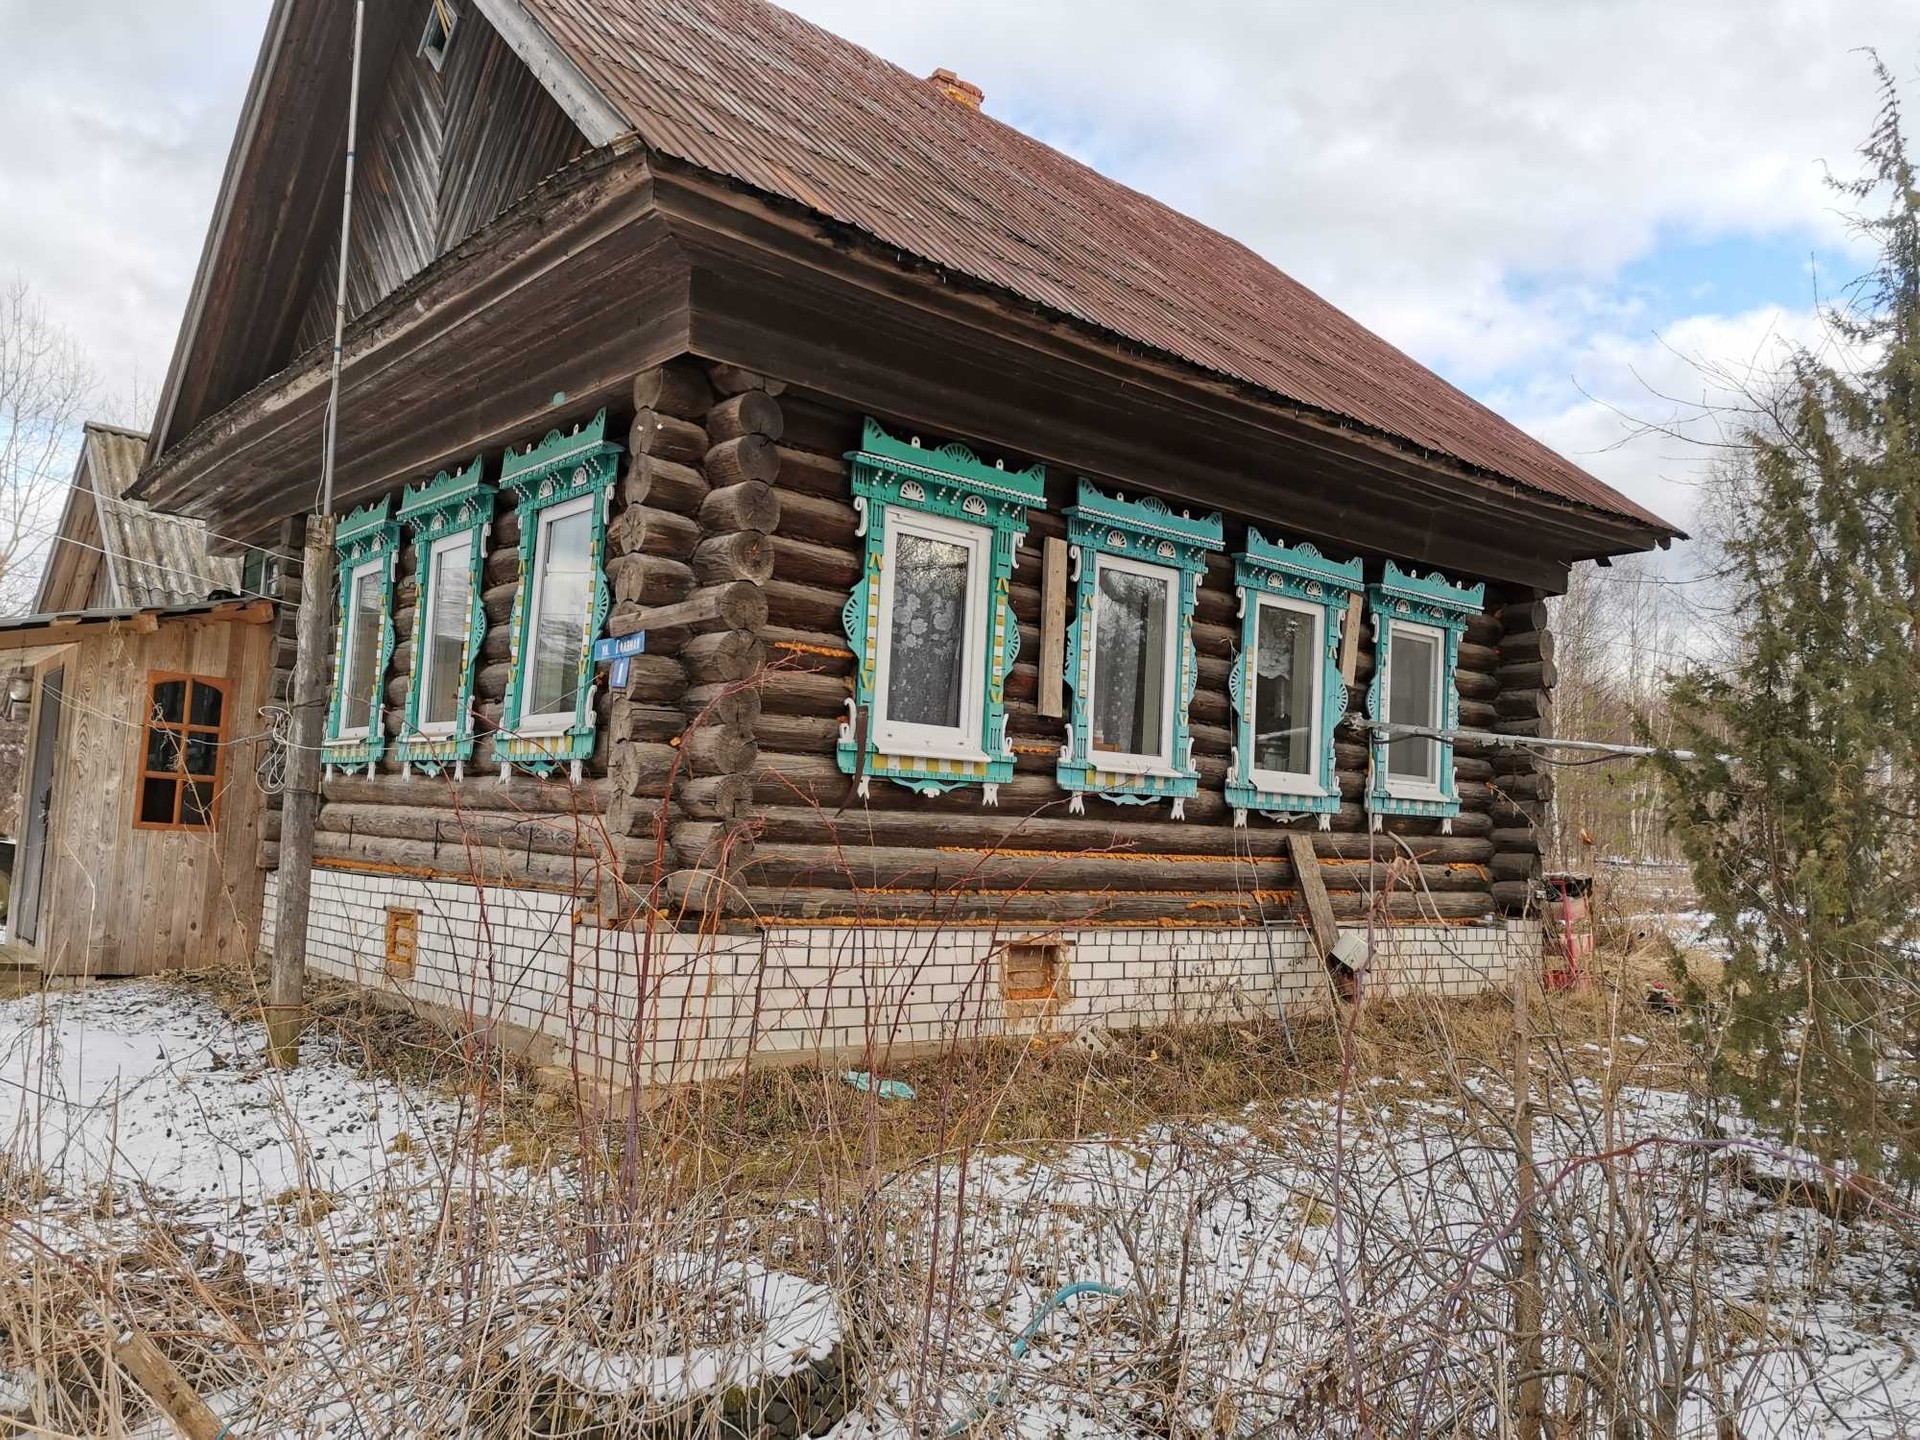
(157, 559)
(751, 91)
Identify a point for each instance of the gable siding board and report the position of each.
(445, 152)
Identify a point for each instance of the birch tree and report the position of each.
(46, 383)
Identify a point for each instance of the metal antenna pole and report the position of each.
(286, 993)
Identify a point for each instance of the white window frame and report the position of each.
(1117, 761)
(1290, 782)
(1403, 787)
(967, 740)
(377, 569)
(461, 545)
(552, 722)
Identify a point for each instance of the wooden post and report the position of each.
(1527, 1305)
(1313, 889)
(286, 992)
(287, 987)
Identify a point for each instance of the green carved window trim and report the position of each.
(951, 485)
(1299, 574)
(368, 536)
(1433, 603)
(1139, 532)
(562, 468)
(451, 508)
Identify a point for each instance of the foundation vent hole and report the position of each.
(403, 942)
(1033, 970)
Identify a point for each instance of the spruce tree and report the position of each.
(1799, 822)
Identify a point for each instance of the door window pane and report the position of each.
(1413, 699)
(362, 675)
(205, 707)
(446, 639)
(1130, 662)
(927, 647)
(559, 627)
(1285, 675)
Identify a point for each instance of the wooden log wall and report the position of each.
(714, 793)
(818, 854)
(539, 833)
(1523, 782)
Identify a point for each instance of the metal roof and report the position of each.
(24, 632)
(155, 559)
(750, 91)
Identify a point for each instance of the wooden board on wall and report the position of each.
(124, 901)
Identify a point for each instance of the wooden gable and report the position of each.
(443, 150)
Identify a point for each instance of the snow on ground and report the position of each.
(1196, 1278)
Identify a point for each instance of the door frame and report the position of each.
(36, 819)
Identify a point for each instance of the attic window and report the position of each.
(442, 20)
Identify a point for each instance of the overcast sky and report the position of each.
(1561, 205)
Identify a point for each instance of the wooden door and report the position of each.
(24, 918)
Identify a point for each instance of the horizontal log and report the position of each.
(1030, 911)
(702, 892)
(679, 388)
(655, 724)
(822, 567)
(649, 579)
(1514, 865)
(817, 650)
(447, 832)
(713, 796)
(819, 521)
(718, 750)
(722, 657)
(655, 679)
(788, 690)
(1513, 897)
(803, 607)
(480, 866)
(1254, 848)
(657, 532)
(664, 485)
(731, 379)
(939, 870)
(751, 412)
(1523, 704)
(732, 707)
(733, 462)
(1526, 646)
(814, 473)
(681, 441)
(743, 555)
(736, 606)
(718, 845)
(642, 769)
(1522, 616)
(1530, 675)
(820, 426)
(749, 505)
(521, 794)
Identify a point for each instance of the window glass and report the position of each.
(927, 646)
(157, 800)
(208, 703)
(362, 674)
(564, 588)
(180, 777)
(446, 638)
(1130, 661)
(1413, 699)
(169, 700)
(1286, 674)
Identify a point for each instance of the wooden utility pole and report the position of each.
(287, 988)
(1527, 1306)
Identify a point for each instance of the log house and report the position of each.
(1017, 559)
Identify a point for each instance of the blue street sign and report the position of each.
(621, 653)
(623, 648)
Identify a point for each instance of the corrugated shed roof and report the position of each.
(750, 91)
(157, 559)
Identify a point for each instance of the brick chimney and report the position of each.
(961, 92)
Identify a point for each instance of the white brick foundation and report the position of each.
(517, 957)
